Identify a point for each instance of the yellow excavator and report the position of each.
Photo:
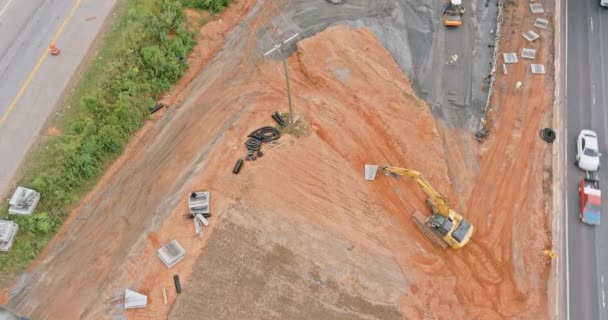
(445, 227)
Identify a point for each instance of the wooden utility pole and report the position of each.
(281, 49)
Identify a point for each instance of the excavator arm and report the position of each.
(439, 203)
(445, 226)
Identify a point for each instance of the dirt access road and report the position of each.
(299, 232)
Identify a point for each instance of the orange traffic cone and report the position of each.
(54, 50)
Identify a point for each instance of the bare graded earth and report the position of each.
(299, 233)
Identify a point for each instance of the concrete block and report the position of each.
(528, 53)
(8, 230)
(171, 254)
(541, 23)
(537, 8)
(370, 172)
(202, 219)
(531, 35)
(510, 57)
(198, 202)
(135, 299)
(23, 201)
(537, 68)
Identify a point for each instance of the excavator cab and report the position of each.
(452, 14)
(441, 224)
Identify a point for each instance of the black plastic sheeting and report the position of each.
(266, 134)
(253, 144)
(189, 216)
(157, 107)
(277, 117)
(237, 166)
(178, 286)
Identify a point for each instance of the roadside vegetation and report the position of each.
(142, 55)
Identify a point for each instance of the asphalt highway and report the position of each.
(31, 81)
(586, 108)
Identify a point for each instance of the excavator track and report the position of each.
(420, 219)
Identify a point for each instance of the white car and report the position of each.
(604, 3)
(587, 151)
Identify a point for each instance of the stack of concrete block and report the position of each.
(198, 202)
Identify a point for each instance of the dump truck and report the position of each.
(591, 199)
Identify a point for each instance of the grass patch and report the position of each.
(143, 54)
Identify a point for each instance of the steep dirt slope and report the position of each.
(297, 220)
(311, 231)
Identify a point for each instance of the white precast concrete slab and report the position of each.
(171, 254)
(8, 230)
(198, 202)
(135, 299)
(528, 53)
(23, 201)
(197, 228)
(537, 68)
(537, 8)
(510, 57)
(531, 35)
(202, 219)
(541, 23)
(370, 172)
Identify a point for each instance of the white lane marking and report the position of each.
(603, 93)
(566, 153)
(593, 93)
(603, 294)
(5, 6)
(567, 267)
(603, 78)
(591, 23)
(566, 233)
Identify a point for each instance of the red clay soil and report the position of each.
(509, 198)
(299, 233)
(360, 109)
(320, 175)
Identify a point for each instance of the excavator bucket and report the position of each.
(420, 221)
(370, 172)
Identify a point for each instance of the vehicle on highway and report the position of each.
(587, 151)
(604, 3)
(591, 200)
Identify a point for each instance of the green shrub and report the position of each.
(213, 6)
